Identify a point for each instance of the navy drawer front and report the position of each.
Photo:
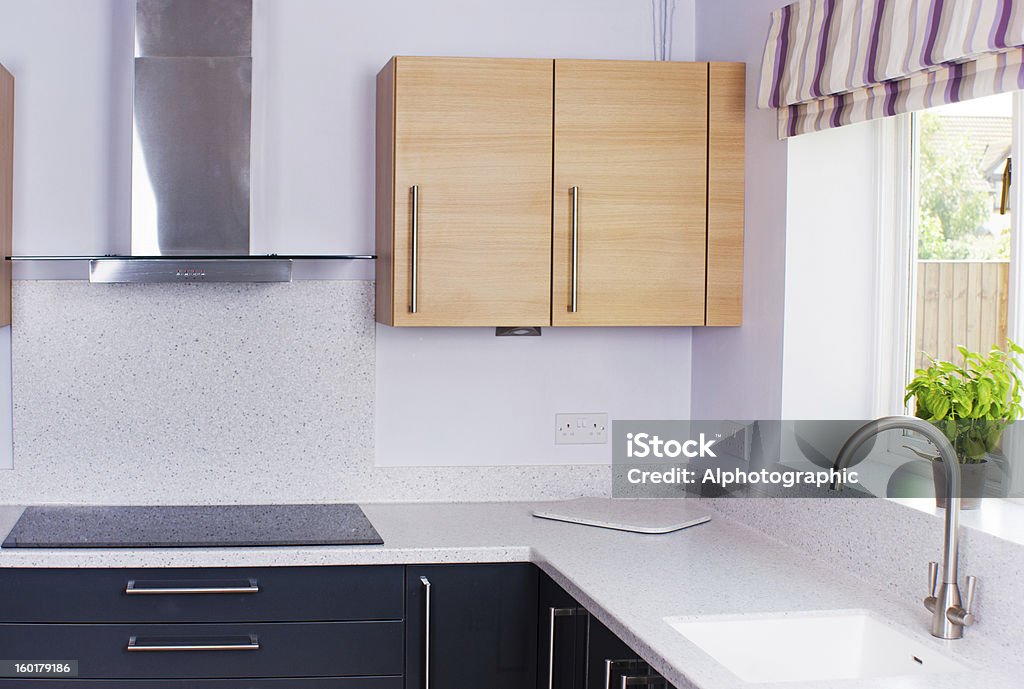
(289, 649)
(308, 683)
(262, 594)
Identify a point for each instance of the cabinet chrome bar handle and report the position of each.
(627, 665)
(136, 645)
(157, 588)
(555, 613)
(575, 249)
(644, 681)
(426, 630)
(415, 250)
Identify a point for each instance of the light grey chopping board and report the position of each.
(639, 516)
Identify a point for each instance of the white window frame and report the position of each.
(895, 240)
(895, 299)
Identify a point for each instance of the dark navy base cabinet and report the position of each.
(465, 626)
(260, 594)
(562, 638)
(482, 628)
(150, 651)
(576, 651)
(215, 628)
(318, 683)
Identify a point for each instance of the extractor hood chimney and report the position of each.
(191, 144)
(192, 123)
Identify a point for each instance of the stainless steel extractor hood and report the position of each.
(191, 144)
(191, 151)
(192, 123)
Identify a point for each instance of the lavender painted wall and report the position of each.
(737, 372)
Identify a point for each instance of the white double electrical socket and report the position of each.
(581, 429)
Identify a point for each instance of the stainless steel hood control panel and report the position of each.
(113, 270)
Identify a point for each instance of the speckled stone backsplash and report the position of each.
(217, 393)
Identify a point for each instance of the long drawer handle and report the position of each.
(555, 613)
(414, 191)
(426, 631)
(136, 645)
(142, 588)
(575, 279)
(644, 681)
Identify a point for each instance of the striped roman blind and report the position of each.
(828, 63)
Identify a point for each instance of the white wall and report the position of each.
(314, 65)
(737, 372)
(73, 73)
(464, 397)
(831, 273)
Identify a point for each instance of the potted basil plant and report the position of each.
(972, 404)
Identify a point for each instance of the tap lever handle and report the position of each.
(933, 578)
(963, 614)
(972, 584)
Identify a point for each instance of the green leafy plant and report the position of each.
(972, 404)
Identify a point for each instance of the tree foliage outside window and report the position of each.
(955, 203)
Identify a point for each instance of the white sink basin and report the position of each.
(796, 647)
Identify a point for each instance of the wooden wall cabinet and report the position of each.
(630, 155)
(464, 192)
(559, 192)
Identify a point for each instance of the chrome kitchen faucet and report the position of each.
(949, 616)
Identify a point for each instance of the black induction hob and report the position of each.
(192, 526)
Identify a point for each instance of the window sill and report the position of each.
(999, 517)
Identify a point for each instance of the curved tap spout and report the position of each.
(944, 599)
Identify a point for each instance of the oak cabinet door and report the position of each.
(630, 156)
(464, 192)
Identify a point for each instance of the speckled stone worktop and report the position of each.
(630, 582)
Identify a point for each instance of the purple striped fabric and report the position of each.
(823, 47)
(934, 19)
(997, 39)
(828, 63)
(782, 48)
(876, 29)
(984, 76)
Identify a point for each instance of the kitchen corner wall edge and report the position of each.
(6, 190)
(726, 152)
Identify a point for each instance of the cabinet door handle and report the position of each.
(626, 665)
(575, 275)
(426, 631)
(178, 588)
(414, 250)
(644, 681)
(136, 645)
(555, 614)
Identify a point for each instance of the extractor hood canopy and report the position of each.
(191, 151)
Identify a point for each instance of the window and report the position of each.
(963, 228)
(948, 247)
